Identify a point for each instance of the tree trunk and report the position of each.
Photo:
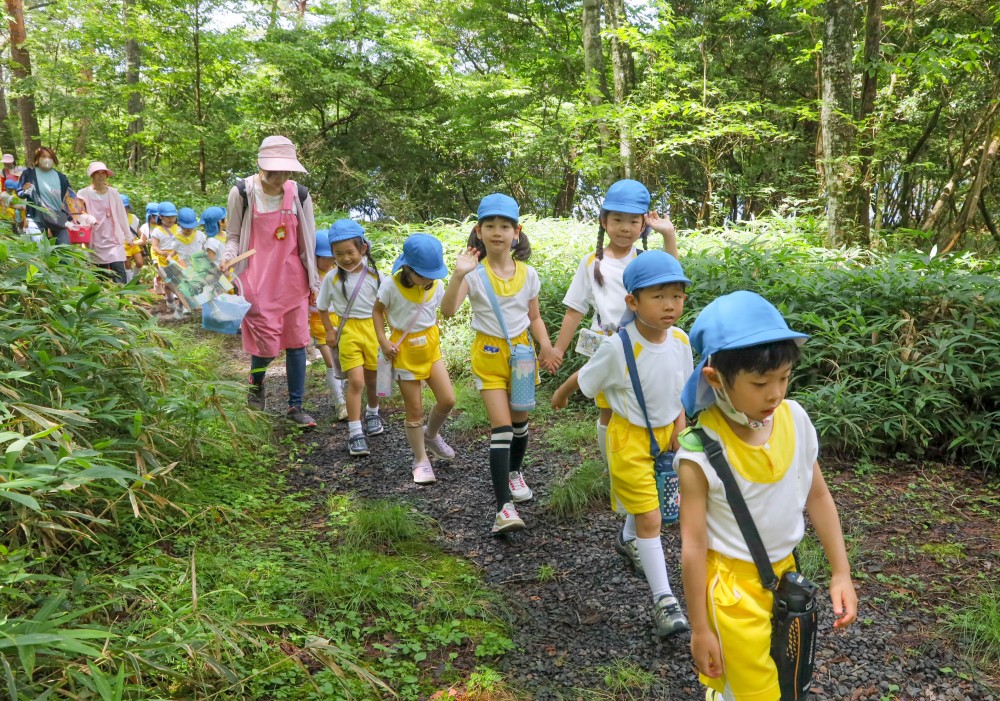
(133, 67)
(8, 139)
(567, 193)
(971, 204)
(836, 120)
(199, 114)
(80, 143)
(594, 77)
(21, 66)
(906, 189)
(869, 90)
(623, 69)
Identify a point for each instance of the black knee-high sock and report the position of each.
(518, 446)
(500, 463)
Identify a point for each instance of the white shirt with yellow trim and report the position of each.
(608, 300)
(401, 310)
(332, 297)
(514, 308)
(663, 370)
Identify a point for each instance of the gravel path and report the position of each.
(588, 612)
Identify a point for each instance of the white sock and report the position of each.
(371, 410)
(129, 274)
(354, 429)
(336, 386)
(628, 533)
(602, 445)
(654, 565)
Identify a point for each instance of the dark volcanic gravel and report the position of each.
(594, 611)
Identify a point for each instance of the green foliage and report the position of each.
(626, 680)
(977, 625)
(387, 526)
(583, 487)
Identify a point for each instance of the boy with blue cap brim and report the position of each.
(738, 393)
(409, 302)
(656, 284)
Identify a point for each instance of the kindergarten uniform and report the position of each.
(490, 350)
(165, 237)
(663, 370)
(413, 309)
(775, 480)
(186, 246)
(358, 345)
(217, 245)
(132, 240)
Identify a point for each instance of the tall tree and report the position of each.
(836, 119)
(133, 67)
(866, 118)
(199, 108)
(623, 72)
(21, 67)
(8, 138)
(595, 79)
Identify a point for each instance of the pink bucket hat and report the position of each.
(96, 166)
(8, 158)
(278, 153)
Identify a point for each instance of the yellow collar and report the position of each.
(763, 464)
(508, 288)
(417, 295)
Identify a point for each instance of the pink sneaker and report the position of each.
(423, 473)
(519, 490)
(437, 447)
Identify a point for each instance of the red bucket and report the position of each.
(78, 234)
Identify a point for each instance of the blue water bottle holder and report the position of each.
(667, 483)
(523, 365)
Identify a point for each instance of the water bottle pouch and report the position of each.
(793, 635)
(522, 377)
(667, 487)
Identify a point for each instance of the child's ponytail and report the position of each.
(371, 264)
(599, 253)
(645, 239)
(522, 247)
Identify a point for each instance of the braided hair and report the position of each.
(520, 251)
(599, 253)
(360, 243)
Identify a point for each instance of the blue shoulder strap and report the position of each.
(633, 373)
(485, 277)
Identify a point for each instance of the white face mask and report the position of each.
(722, 400)
(45, 163)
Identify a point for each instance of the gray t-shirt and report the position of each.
(49, 192)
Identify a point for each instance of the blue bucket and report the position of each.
(224, 314)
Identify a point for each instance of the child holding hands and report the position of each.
(410, 299)
(738, 393)
(495, 257)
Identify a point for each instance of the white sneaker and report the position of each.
(507, 520)
(341, 410)
(519, 491)
(423, 473)
(437, 447)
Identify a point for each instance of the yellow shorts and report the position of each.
(161, 261)
(420, 350)
(358, 345)
(491, 361)
(633, 485)
(316, 328)
(739, 611)
(132, 249)
(601, 401)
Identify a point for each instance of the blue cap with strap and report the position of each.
(345, 229)
(168, 209)
(424, 255)
(126, 200)
(152, 209)
(187, 218)
(498, 205)
(649, 269)
(323, 249)
(737, 320)
(628, 197)
(210, 219)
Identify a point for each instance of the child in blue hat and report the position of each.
(213, 223)
(353, 339)
(655, 286)
(738, 393)
(133, 248)
(324, 264)
(410, 300)
(163, 241)
(625, 218)
(501, 247)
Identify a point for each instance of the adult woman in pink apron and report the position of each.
(273, 215)
(108, 235)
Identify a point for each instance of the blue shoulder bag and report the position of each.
(663, 462)
(522, 357)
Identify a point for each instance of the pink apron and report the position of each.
(104, 244)
(275, 282)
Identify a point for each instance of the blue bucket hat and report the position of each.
(424, 254)
(187, 218)
(167, 209)
(126, 200)
(323, 248)
(344, 229)
(210, 219)
(736, 320)
(628, 197)
(10, 185)
(498, 205)
(152, 209)
(649, 269)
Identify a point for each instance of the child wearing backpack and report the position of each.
(350, 291)
(492, 273)
(625, 218)
(410, 299)
(751, 439)
(661, 354)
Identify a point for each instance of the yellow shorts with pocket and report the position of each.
(418, 352)
(132, 249)
(491, 361)
(633, 484)
(358, 345)
(316, 328)
(739, 612)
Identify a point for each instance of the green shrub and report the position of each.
(578, 490)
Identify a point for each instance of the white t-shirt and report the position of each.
(164, 238)
(267, 203)
(663, 370)
(776, 507)
(513, 308)
(185, 250)
(401, 311)
(607, 301)
(216, 246)
(144, 231)
(333, 299)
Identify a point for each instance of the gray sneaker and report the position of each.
(357, 445)
(300, 418)
(668, 617)
(373, 424)
(630, 553)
